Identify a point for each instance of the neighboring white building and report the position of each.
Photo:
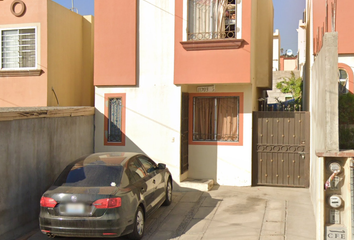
(276, 50)
(301, 45)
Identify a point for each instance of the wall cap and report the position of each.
(212, 44)
(10, 114)
(20, 73)
(343, 153)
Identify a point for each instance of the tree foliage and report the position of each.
(292, 85)
(346, 121)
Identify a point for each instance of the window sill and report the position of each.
(212, 44)
(216, 143)
(20, 73)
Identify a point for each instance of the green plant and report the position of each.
(292, 85)
(346, 120)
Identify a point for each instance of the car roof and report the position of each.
(108, 158)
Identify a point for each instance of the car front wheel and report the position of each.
(168, 200)
(139, 224)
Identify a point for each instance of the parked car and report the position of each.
(105, 195)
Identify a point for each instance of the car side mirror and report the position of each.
(161, 166)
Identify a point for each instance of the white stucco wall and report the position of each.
(153, 106)
(276, 50)
(301, 33)
(227, 165)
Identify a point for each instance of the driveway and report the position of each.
(252, 213)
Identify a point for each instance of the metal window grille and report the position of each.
(211, 19)
(18, 48)
(213, 133)
(115, 120)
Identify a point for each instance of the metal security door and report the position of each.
(281, 148)
(184, 132)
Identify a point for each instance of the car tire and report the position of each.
(168, 199)
(139, 225)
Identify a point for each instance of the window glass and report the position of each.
(211, 19)
(137, 171)
(216, 119)
(343, 74)
(91, 175)
(148, 164)
(115, 120)
(18, 48)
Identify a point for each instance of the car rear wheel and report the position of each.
(139, 224)
(168, 200)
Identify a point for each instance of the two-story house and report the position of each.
(46, 55)
(178, 80)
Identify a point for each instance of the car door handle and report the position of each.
(153, 181)
(143, 190)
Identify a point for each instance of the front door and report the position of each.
(184, 132)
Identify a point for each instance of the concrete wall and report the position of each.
(324, 119)
(70, 57)
(33, 151)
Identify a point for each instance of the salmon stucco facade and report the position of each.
(46, 55)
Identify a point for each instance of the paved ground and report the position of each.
(252, 213)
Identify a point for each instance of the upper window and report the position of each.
(18, 48)
(343, 80)
(216, 119)
(211, 19)
(114, 119)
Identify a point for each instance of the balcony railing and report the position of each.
(211, 19)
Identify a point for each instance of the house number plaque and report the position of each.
(18, 12)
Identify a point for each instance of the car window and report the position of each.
(137, 171)
(148, 164)
(91, 175)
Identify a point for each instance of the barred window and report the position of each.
(115, 120)
(18, 48)
(216, 119)
(211, 19)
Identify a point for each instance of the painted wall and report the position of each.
(262, 43)
(70, 57)
(324, 120)
(153, 107)
(32, 154)
(290, 64)
(26, 90)
(116, 42)
(226, 165)
(344, 22)
(212, 66)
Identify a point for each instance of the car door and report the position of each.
(157, 178)
(143, 182)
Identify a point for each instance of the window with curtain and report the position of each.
(211, 19)
(18, 48)
(216, 119)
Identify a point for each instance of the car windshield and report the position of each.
(90, 176)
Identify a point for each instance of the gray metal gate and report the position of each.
(281, 148)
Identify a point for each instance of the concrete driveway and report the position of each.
(252, 213)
